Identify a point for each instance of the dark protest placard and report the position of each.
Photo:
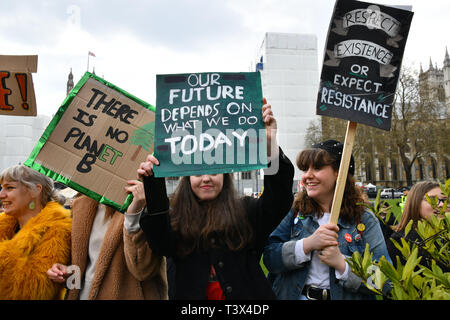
(96, 141)
(209, 123)
(362, 61)
(16, 85)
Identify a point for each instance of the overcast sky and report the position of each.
(136, 39)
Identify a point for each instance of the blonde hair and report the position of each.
(30, 178)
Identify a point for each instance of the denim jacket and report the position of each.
(288, 278)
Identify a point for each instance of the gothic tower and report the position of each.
(70, 82)
(446, 70)
(431, 84)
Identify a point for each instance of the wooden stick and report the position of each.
(343, 171)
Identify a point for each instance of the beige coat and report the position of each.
(126, 267)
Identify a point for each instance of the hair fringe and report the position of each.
(30, 179)
(350, 210)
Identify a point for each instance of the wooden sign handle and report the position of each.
(343, 170)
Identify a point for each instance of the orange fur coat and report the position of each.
(26, 256)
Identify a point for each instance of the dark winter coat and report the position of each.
(239, 272)
(412, 237)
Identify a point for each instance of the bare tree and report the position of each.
(415, 122)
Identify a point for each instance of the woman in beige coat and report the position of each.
(110, 256)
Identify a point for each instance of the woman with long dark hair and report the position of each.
(214, 238)
(306, 254)
(196, 221)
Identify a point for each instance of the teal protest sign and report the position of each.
(209, 123)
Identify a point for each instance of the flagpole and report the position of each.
(88, 63)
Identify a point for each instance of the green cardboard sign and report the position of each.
(96, 141)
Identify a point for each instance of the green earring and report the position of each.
(31, 205)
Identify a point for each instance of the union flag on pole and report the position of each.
(91, 54)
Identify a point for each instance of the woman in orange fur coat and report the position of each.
(34, 233)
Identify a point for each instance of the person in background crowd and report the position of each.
(386, 225)
(111, 253)
(69, 195)
(365, 198)
(416, 209)
(34, 232)
(215, 238)
(403, 199)
(305, 255)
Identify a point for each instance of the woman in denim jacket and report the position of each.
(305, 254)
